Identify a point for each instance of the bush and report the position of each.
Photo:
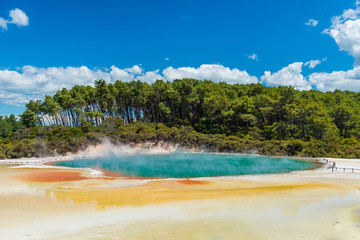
(294, 147)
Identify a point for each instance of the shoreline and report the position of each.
(43, 162)
(35, 161)
(308, 204)
(107, 147)
(147, 147)
(324, 164)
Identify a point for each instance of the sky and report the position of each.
(48, 45)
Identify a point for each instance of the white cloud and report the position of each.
(345, 30)
(18, 17)
(253, 56)
(343, 80)
(288, 76)
(134, 73)
(292, 76)
(120, 74)
(214, 72)
(3, 23)
(167, 59)
(32, 80)
(29, 82)
(150, 76)
(134, 70)
(313, 63)
(312, 22)
(15, 99)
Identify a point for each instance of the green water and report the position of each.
(186, 165)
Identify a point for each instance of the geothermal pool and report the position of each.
(190, 165)
(50, 202)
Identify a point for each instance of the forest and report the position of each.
(215, 116)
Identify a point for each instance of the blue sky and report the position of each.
(156, 35)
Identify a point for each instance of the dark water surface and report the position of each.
(186, 165)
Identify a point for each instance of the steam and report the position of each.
(169, 161)
(107, 149)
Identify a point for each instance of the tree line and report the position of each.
(8, 125)
(252, 110)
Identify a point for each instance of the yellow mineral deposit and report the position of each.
(58, 203)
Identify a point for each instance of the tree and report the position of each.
(29, 119)
(346, 119)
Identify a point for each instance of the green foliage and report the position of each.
(8, 125)
(192, 113)
(216, 108)
(29, 118)
(51, 140)
(293, 148)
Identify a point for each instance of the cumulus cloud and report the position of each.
(253, 56)
(15, 99)
(345, 30)
(29, 82)
(322, 81)
(33, 80)
(214, 72)
(150, 77)
(312, 23)
(288, 76)
(134, 73)
(343, 80)
(18, 17)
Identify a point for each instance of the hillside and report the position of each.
(192, 113)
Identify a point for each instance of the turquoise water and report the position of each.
(186, 165)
